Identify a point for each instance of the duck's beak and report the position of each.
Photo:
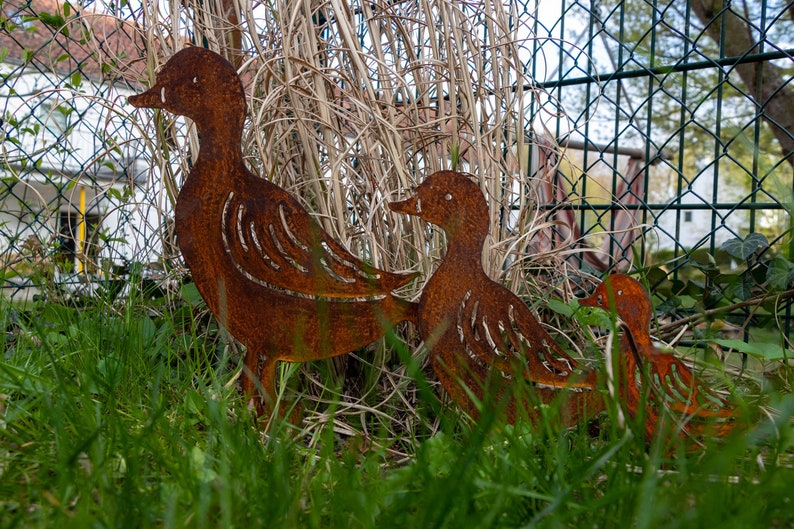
(590, 301)
(410, 206)
(152, 98)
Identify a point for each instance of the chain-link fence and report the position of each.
(699, 93)
(70, 164)
(660, 134)
(681, 113)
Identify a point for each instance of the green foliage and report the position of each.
(585, 315)
(764, 272)
(780, 273)
(123, 415)
(764, 351)
(745, 271)
(744, 248)
(55, 21)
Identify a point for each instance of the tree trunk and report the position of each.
(762, 80)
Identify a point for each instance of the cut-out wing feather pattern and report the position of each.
(507, 337)
(280, 246)
(681, 391)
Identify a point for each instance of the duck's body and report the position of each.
(266, 269)
(652, 376)
(481, 335)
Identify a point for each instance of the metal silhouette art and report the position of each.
(480, 335)
(266, 269)
(651, 380)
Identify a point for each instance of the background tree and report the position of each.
(663, 84)
(766, 83)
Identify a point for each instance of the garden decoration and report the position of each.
(480, 335)
(266, 269)
(668, 383)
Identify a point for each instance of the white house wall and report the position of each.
(49, 157)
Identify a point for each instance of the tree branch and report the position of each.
(671, 329)
(763, 81)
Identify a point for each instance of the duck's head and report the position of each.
(199, 84)
(624, 296)
(450, 200)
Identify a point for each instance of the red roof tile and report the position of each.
(57, 36)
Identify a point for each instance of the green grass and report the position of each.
(114, 418)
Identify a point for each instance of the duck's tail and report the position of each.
(392, 281)
(392, 310)
(405, 311)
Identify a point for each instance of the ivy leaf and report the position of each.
(742, 249)
(592, 316)
(686, 302)
(669, 305)
(765, 351)
(658, 280)
(704, 262)
(742, 287)
(780, 273)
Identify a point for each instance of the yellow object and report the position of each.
(81, 231)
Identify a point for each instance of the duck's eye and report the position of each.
(195, 80)
(448, 196)
(620, 292)
(599, 299)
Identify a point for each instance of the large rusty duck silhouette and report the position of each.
(267, 270)
(653, 381)
(480, 335)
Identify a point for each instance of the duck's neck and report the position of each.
(464, 247)
(220, 142)
(639, 331)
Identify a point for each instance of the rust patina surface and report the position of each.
(656, 378)
(480, 335)
(266, 269)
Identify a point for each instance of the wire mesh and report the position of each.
(658, 130)
(694, 92)
(70, 163)
(669, 94)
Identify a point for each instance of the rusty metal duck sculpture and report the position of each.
(480, 335)
(653, 378)
(266, 269)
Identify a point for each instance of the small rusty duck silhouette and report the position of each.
(670, 383)
(266, 269)
(479, 334)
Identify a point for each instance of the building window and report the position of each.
(69, 240)
(687, 216)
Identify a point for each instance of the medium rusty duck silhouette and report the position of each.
(480, 335)
(266, 269)
(670, 383)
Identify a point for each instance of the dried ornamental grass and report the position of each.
(350, 106)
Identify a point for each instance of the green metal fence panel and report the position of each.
(711, 121)
(700, 95)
